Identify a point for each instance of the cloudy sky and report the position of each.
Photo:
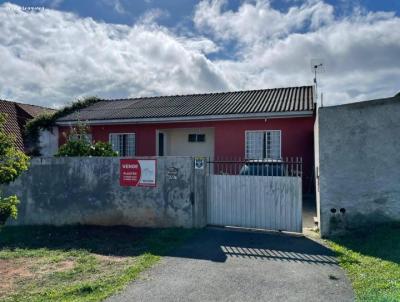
(52, 52)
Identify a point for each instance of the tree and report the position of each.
(79, 144)
(12, 163)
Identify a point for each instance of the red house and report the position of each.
(267, 123)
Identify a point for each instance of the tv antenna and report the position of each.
(317, 67)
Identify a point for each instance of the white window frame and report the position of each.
(280, 143)
(264, 151)
(123, 133)
(197, 137)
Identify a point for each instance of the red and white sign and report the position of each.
(138, 172)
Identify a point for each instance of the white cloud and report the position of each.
(119, 8)
(361, 52)
(259, 21)
(152, 15)
(116, 5)
(51, 57)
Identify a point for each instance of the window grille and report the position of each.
(199, 138)
(263, 144)
(124, 143)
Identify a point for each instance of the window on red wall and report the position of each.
(262, 144)
(123, 143)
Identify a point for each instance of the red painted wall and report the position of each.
(297, 138)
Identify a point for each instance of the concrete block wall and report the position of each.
(62, 191)
(358, 164)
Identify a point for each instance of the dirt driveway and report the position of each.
(223, 265)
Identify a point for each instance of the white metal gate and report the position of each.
(271, 202)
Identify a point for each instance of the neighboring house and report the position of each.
(18, 115)
(267, 123)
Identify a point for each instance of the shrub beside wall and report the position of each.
(12, 163)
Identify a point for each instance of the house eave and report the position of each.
(204, 118)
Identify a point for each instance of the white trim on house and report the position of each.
(264, 132)
(203, 118)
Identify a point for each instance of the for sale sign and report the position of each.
(138, 172)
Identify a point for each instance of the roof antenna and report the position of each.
(317, 66)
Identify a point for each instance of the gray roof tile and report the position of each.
(289, 99)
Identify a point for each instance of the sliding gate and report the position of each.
(255, 194)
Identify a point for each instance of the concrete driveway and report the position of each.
(224, 265)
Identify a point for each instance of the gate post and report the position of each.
(199, 192)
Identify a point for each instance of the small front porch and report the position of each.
(185, 142)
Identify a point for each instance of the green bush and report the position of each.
(78, 144)
(74, 148)
(83, 148)
(102, 149)
(8, 208)
(12, 163)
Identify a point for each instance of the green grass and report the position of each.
(372, 261)
(78, 263)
